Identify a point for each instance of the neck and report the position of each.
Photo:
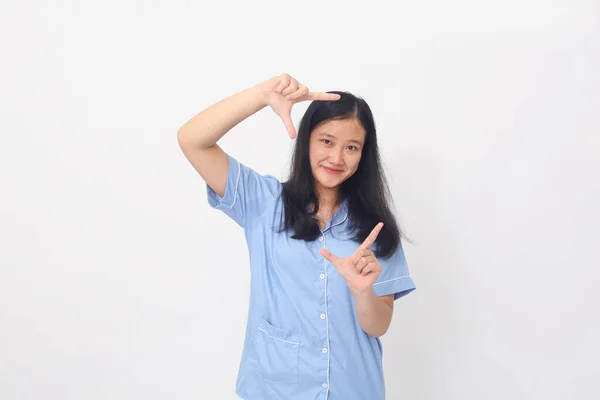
(328, 198)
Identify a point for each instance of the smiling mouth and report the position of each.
(332, 171)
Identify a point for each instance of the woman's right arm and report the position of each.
(199, 136)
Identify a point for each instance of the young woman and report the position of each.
(326, 256)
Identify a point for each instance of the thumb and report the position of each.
(332, 258)
(289, 125)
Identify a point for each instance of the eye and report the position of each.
(351, 147)
(326, 141)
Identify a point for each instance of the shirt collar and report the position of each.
(339, 217)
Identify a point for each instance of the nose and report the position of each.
(335, 156)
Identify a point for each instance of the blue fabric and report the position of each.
(303, 340)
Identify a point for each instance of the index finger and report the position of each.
(372, 237)
(321, 96)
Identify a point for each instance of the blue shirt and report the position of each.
(303, 340)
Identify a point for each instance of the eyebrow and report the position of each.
(333, 137)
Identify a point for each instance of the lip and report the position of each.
(333, 171)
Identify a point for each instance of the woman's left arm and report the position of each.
(374, 313)
(360, 271)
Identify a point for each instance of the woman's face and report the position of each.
(335, 151)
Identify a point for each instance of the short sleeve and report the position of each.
(394, 278)
(247, 193)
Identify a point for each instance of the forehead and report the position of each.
(341, 129)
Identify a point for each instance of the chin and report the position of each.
(331, 183)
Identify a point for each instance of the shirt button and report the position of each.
(324, 350)
(322, 316)
(322, 276)
(321, 238)
(325, 385)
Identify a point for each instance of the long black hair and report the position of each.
(366, 190)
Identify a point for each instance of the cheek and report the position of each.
(353, 163)
(317, 155)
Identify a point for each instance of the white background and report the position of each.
(117, 281)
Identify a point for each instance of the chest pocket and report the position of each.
(277, 351)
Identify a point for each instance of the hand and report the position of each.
(283, 91)
(361, 269)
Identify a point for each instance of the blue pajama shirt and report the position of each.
(303, 340)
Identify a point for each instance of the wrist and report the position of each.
(259, 95)
(362, 293)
